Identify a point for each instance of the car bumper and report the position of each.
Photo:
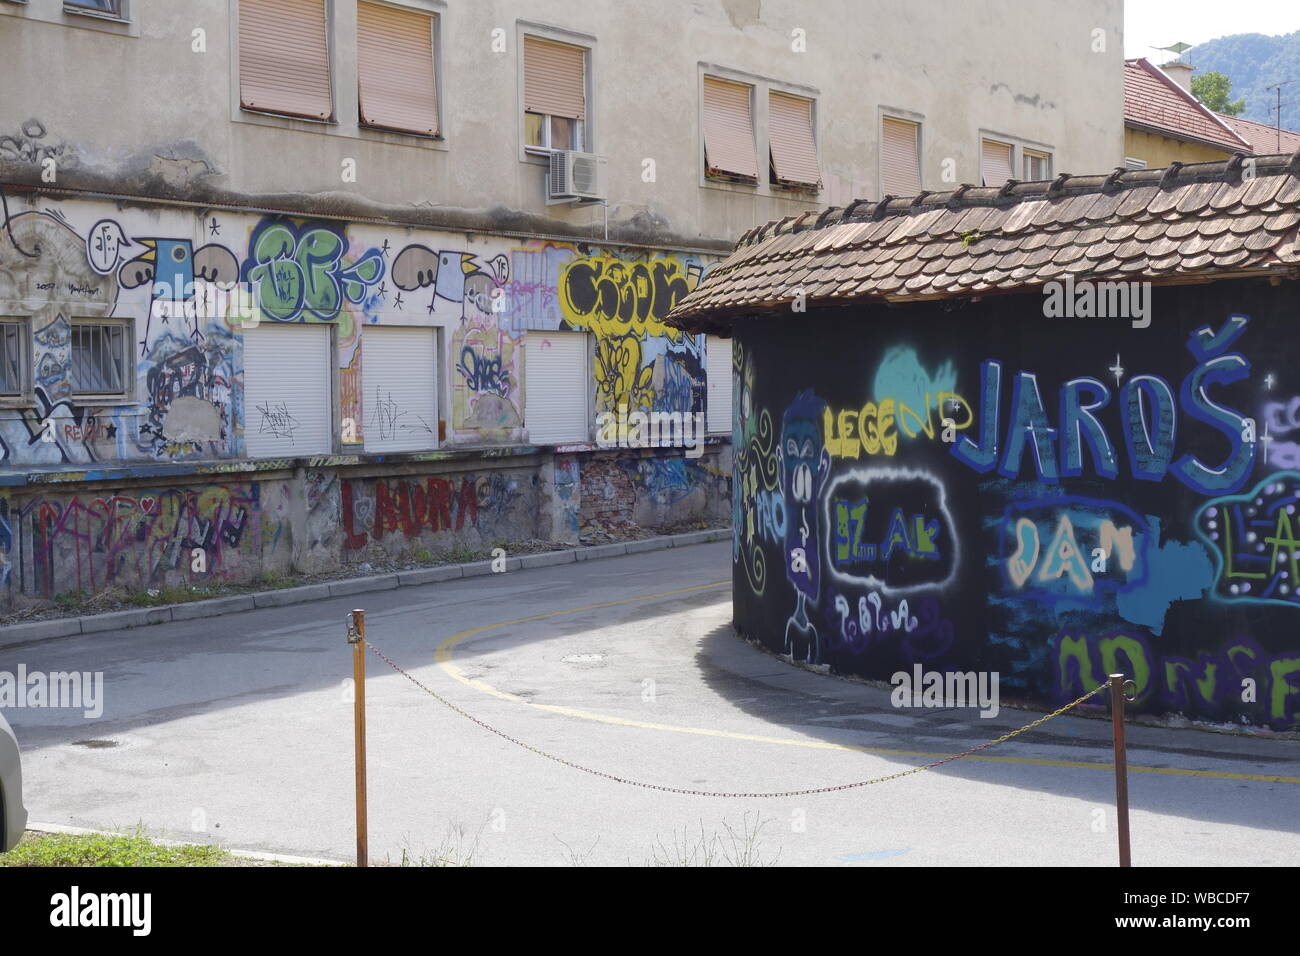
(11, 793)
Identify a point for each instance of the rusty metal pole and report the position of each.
(1117, 682)
(357, 638)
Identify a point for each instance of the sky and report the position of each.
(1157, 23)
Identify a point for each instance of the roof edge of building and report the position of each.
(1015, 191)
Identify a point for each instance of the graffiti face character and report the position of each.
(804, 463)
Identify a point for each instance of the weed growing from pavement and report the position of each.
(739, 846)
(458, 848)
(574, 857)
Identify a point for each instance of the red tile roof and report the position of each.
(1186, 223)
(1153, 101)
(1262, 137)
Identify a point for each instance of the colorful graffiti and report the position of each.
(300, 271)
(931, 502)
(639, 362)
(189, 288)
(758, 509)
(373, 509)
(88, 543)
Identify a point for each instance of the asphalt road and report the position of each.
(238, 730)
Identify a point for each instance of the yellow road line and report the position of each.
(443, 656)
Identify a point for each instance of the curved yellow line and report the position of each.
(443, 656)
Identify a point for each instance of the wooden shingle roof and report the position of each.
(1185, 223)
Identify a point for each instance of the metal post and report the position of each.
(357, 638)
(1117, 682)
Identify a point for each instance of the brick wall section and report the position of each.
(608, 495)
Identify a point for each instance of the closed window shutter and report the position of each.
(717, 356)
(729, 129)
(995, 162)
(900, 157)
(399, 381)
(395, 69)
(284, 57)
(556, 388)
(790, 129)
(288, 410)
(555, 78)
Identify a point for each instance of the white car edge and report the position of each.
(13, 815)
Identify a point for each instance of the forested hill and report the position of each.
(1254, 62)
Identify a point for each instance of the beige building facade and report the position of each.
(290, 285)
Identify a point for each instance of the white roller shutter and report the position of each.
(900, 157)
(288, 403)
(995, 162)
(399, 388)
(556, 388)
(717, 372)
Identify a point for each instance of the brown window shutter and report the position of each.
(555, 78)
(284, 57)
(900, 157)
(790, 131)
(729, 129)
(395, 74)
(995, 162)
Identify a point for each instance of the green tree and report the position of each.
(1212, 89)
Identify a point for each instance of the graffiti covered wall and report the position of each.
(165, 274)
(133, 539)
(983, 488)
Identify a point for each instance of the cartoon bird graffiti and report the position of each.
(455, 276)
(172, 265)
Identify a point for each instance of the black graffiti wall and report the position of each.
(975, 486)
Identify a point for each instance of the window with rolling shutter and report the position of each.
(793, 147)
(557, 387)
(396, 81)
(900, 157)
(717, 357)
(995, 162)
(729, 131)
(284, 58)
(288, 406)
(555, 94)
(399, 382)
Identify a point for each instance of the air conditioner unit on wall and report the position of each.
(573, 175)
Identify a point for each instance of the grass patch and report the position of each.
(462, 554)
(99, 849)
(69, 600)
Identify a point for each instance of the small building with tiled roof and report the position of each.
(1048, 431)
(1165, 123)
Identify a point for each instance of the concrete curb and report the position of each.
(283, 597)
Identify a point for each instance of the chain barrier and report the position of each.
(718, 793)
